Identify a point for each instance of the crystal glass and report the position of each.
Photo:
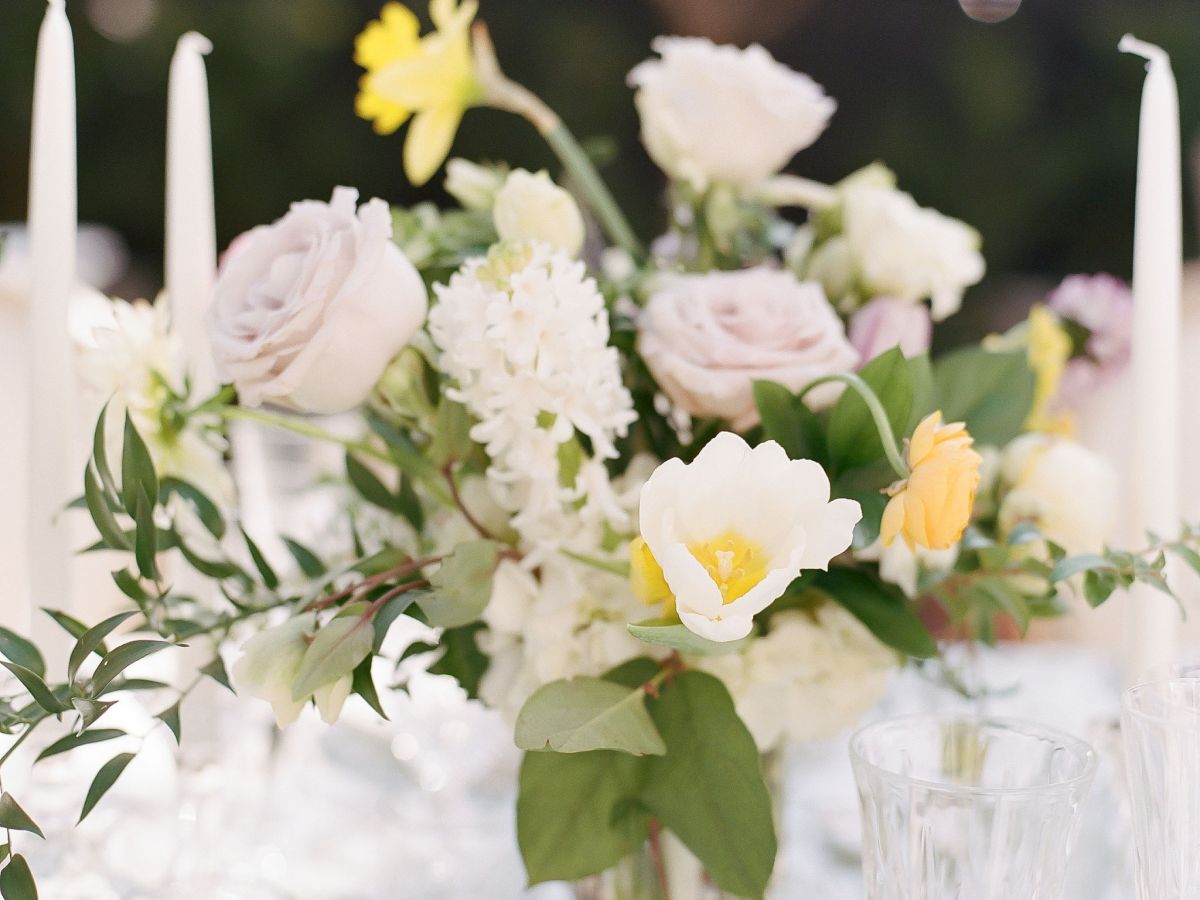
(967, 808)
(1160, 722)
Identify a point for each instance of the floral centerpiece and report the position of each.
(666, 509)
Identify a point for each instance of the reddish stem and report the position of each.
(448, 474)
(373, 581)
(656, 854)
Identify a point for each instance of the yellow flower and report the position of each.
(932, 507)
(647, 579)
(1049, 348)
(431, 78)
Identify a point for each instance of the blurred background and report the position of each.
(1027, 129)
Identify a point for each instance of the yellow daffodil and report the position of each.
(1049, 348)
(430, 79)
(932, 507)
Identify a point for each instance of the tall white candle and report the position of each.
(191, 251)
(1153, 619)
(54, 469)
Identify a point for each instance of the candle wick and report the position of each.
(1150, 52)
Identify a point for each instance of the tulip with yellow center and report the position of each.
(932, 507)
(431, 79)
(723, 536)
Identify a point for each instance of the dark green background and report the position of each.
(1026, 129)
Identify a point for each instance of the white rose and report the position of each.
(718, 114)
(909, 252)
(531, 207)
(1068, 492)
(309, 311)
(707, 338)
(734, 527)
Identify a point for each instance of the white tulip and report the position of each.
(473, 185)
(309, 311)
(531, 207)
(721, 115)
(734, 527)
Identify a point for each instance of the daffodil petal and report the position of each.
(393, 36)
(428, 142)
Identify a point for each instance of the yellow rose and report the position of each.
(1049, 350)
(931, 508)
(431, 78)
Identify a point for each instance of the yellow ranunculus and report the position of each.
(647, 579)
(1049, 348)
(931, 508)
(431, 78)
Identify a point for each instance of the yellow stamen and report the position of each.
(734, 563)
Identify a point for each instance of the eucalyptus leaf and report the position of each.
(580, 714)
(363, 684)
(461, 658)
(16, 880)
(105, 778)
(676, 636)
(336, 650)
(1084, 562)
(462, 585)
(15, 818)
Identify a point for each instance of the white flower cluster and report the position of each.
(810, 677)
(523, 336)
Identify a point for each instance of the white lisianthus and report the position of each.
(812, 676)
(707, 338)
(473, 185)
(531, 207)
(734, 527)
(906, 251)
(268, 666)
(1066, 491)
(722, 115)
(308, 312)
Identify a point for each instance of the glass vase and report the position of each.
(958, 807)
(1160, 724)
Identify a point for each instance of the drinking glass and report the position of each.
(1160, 723)
(966, 808)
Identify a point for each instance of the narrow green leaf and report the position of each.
(206, 510)
(145, 546)
(15, 818)
(337, 650)
(368, 485)
(92, 641)
(364, 685)
(69, 624)
(90, 710)
(100, 457)
(16, 880)
(111, 532)
(21, 651)
(218, 569)
(451, 436)
(270, 579)
(105, 778)
(137, 469)
(133, 684)
(121, 658)
(42, 695)
(387, 614)
(71, 741)
(462, 585)
(217, 672)
(883, 609)
(408, 503)
(462, 658)
(580, 714)
(170, 718)
(853, 436)
(675, 636)
(1084, 562)
(309, 563)
(403, 451)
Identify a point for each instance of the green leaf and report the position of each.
(102, 516)
(213, 568)
(1084, 562)
(42, 695)
(451, 433)
(408, 503)
(270, 579)
(407, 456)
(90, 710)
(364, 685)
(369, 486)
(21, 651)
(580, 714)
(170, 718)
(145, 547)
(462, 585)
(121, 658)
(709, 788)
(137, 469)
(675, 636)
(100, 457)
(105, 779)
(336, 650)
(71, 741)
(69, 624)
(216, 671)
(853, 437)
(991, 392)
(633, 672)
(462, 658)
(924, 400)
(133, 684)
(885, 611)
(206, 511)
(16, 880)
(310, 564)
(569, 805)
(15, 818)
(387, 614)
(787, 421)
(92, 641)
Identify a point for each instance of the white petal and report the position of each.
(692, 586)
(727, 628)
(831, 534)
(763, 594)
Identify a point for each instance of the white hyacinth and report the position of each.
(523, 336)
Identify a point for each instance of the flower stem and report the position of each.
(503, 93)
(878, 414)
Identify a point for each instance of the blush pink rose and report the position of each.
(707, 338)
(888, 322)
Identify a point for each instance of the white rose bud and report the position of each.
(719, 114)
(707, 338)
(268, 667)
(308, 312)
(531, 207)
(473, 185)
